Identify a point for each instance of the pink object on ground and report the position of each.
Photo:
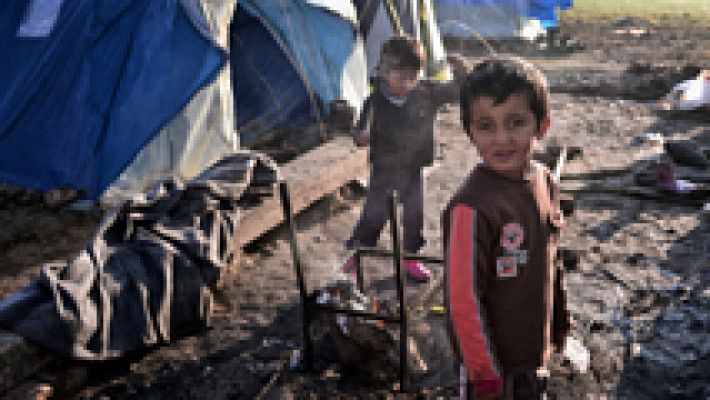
(678, 186)
(665, 179)
(417, 270)
(349, 265)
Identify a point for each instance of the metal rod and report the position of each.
(373, 251)
(358, 271)
(357, 313)
(557, 172)
(397, 253)
(288, 217)
(430, 290)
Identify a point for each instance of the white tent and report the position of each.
(381, 19)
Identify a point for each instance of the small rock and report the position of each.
(58, 197)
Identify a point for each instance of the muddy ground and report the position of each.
(639, 295)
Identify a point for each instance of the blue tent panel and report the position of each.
(288, 60)
(478, 3)
(85, 99)
(547, 11)
(268, 91)
(544, 10)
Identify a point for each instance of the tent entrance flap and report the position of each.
(290, 60)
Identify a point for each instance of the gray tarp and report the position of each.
(146, 276)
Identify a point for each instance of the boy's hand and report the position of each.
(362, 139)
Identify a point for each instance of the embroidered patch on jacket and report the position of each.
(522, 256)
(512, 236)
(507, 267)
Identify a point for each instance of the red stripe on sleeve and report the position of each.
(464, 303)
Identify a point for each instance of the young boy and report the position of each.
(397, 122)
(505, 298)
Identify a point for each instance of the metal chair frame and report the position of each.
(311, 309)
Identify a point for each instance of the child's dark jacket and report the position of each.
(402, 136)
(504, 292)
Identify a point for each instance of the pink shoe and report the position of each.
(417, 270)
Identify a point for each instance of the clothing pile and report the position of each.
(146, 276)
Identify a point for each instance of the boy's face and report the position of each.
(504, 133)
(401, 81)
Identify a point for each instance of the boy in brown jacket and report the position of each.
(505, 298)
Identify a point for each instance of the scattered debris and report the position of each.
(690, 94)
(637, 32)
(652, 138)
(577, 354)
(666, 180)
(362, 345)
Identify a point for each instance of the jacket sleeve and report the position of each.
(466, 273)
(446, 92)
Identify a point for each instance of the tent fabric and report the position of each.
(81, 101)
(290, 59)
(489, 18)
(431, 35)
(343, 8)
(417, 19)
(268, 91)
(376, 33)
(202, 132)
(495, 18)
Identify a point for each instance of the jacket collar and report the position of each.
(396, 100)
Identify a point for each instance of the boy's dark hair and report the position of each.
(499, 78)
(402, 52)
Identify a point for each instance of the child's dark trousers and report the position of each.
(408, 185)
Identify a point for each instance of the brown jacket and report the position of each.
(500, 241)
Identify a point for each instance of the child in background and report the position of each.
(397, 122)
(504, 291)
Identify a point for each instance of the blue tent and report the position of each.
(495, 18)
(87, 84)
(290, 59)
(547, 11)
